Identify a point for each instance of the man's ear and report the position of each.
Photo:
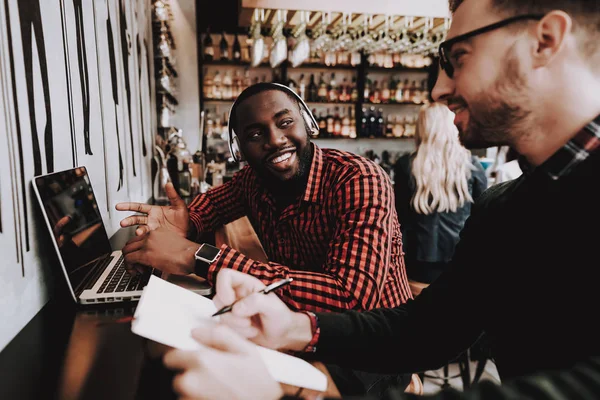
(551, 36)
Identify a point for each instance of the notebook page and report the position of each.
(167, 313)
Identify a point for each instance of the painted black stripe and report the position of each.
(69, 84)
(16, 203)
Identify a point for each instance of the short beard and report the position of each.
(501, 114)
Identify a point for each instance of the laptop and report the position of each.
(95, 273)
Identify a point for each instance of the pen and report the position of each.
(268, 289)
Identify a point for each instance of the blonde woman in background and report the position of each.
(435, 187)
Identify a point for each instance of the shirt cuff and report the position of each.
(316, 331)
(229, 258)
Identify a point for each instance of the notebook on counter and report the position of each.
(93, 271)
(167, 313)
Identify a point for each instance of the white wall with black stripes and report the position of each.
(75, 90)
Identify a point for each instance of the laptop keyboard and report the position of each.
(119, 280)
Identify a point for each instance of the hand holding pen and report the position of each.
(268, 289)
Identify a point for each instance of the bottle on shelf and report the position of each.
(337, 123)
(237, 49)
(345, 125)
(322, 93)
(400, 91)
(227, 93)
(237, 85)
(398, 130)
(314, 113)
(410, 127)
(344, 95)
(224, 48)
(389, 126)
(207, 86)
(332, 90)
(354, 91)
(292, 85)
(352, 127)
(330, 123)
(380, 123)
(375, 94)
(217, 86)
(407, 92)
(247, 81)
(367, 91)
(385, 92)
(322, 120)
(372, 124)
(364, 123)
(302, 87)
(312, 89)
(209, 50)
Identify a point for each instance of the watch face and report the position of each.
(207, 253)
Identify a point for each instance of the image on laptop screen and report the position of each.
(72, 210)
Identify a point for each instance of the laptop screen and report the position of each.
(73, 214)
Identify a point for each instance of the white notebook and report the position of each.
(167, 313)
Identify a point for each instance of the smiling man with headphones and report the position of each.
(325, 218)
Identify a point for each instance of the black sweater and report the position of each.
(524, 272)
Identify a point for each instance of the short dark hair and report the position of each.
(585, 15)
(254, 90)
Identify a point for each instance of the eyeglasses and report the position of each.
(446, 46)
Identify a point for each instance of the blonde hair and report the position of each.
(442, 166)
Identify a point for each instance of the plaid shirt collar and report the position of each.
(577, 150)
(316, 179)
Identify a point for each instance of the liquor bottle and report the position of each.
(292, 85)
(314, 112)
(346, 125)
(247, 81)
(367, 91)
(330, 124)
(364, 123)
(372, 123)
(414, 93)
(354, 91)
(237, 50)
(337, 123)
(393, 86)
(237, 85)
(398, 130)
(400, 91)
(322, 124)
(376, 94)
(322, 93)
(302, 87)
(352, 130)
(407, 92)
(209, 50)
(409, 127)
(385, 92)
(227, 93)
(332, 92)
(224, 48)
(380, 123)
(207, 86)
(312, 89)
(389, 126)
(217, 86)
(344, 96)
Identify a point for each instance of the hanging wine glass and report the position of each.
(257, 49)
(279, 49)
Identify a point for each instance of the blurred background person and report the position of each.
(434, 187)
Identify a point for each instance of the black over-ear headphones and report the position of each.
(309, 118)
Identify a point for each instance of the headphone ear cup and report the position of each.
(236, 149)
(314, 130)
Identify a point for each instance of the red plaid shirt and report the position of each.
(340, 242)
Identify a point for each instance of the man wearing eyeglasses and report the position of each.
(521, 73)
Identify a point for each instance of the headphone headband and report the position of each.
(257, 88)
